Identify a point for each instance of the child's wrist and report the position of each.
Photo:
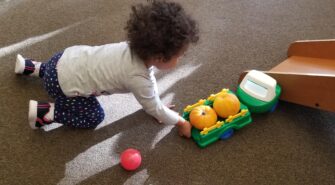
(181, 121)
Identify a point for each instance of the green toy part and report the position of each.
(235, 122)
(255, 105)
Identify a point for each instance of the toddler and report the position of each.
(158, 33)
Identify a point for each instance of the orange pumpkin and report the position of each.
(203, 116)
(226, 105)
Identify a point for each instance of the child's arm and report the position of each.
(170, 106)
(184, 127)
(146, 93)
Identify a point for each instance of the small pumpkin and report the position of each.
(226, 105)
(203, 116)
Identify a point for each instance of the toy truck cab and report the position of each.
(259, 92)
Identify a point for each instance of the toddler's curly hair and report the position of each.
(160, 29)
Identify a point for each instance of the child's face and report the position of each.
(170, 64)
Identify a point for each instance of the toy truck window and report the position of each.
(256, 88)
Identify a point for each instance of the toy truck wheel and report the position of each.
(274, 107)
(227, 134)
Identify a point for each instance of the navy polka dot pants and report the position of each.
(79, 112)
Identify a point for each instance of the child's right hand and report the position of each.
(184, 128)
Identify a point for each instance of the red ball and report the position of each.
(131, 159)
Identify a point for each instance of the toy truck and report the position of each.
(224, 128)
(259, 91)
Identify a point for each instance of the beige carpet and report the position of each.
(294, 145)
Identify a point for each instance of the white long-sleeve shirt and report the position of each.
(108, 69)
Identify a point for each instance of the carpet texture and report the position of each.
(293, 145)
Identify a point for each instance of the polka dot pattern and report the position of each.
(78, 112)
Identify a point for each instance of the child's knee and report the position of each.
(101, 117)
(97, 119)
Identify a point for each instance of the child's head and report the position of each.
(161, 31)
